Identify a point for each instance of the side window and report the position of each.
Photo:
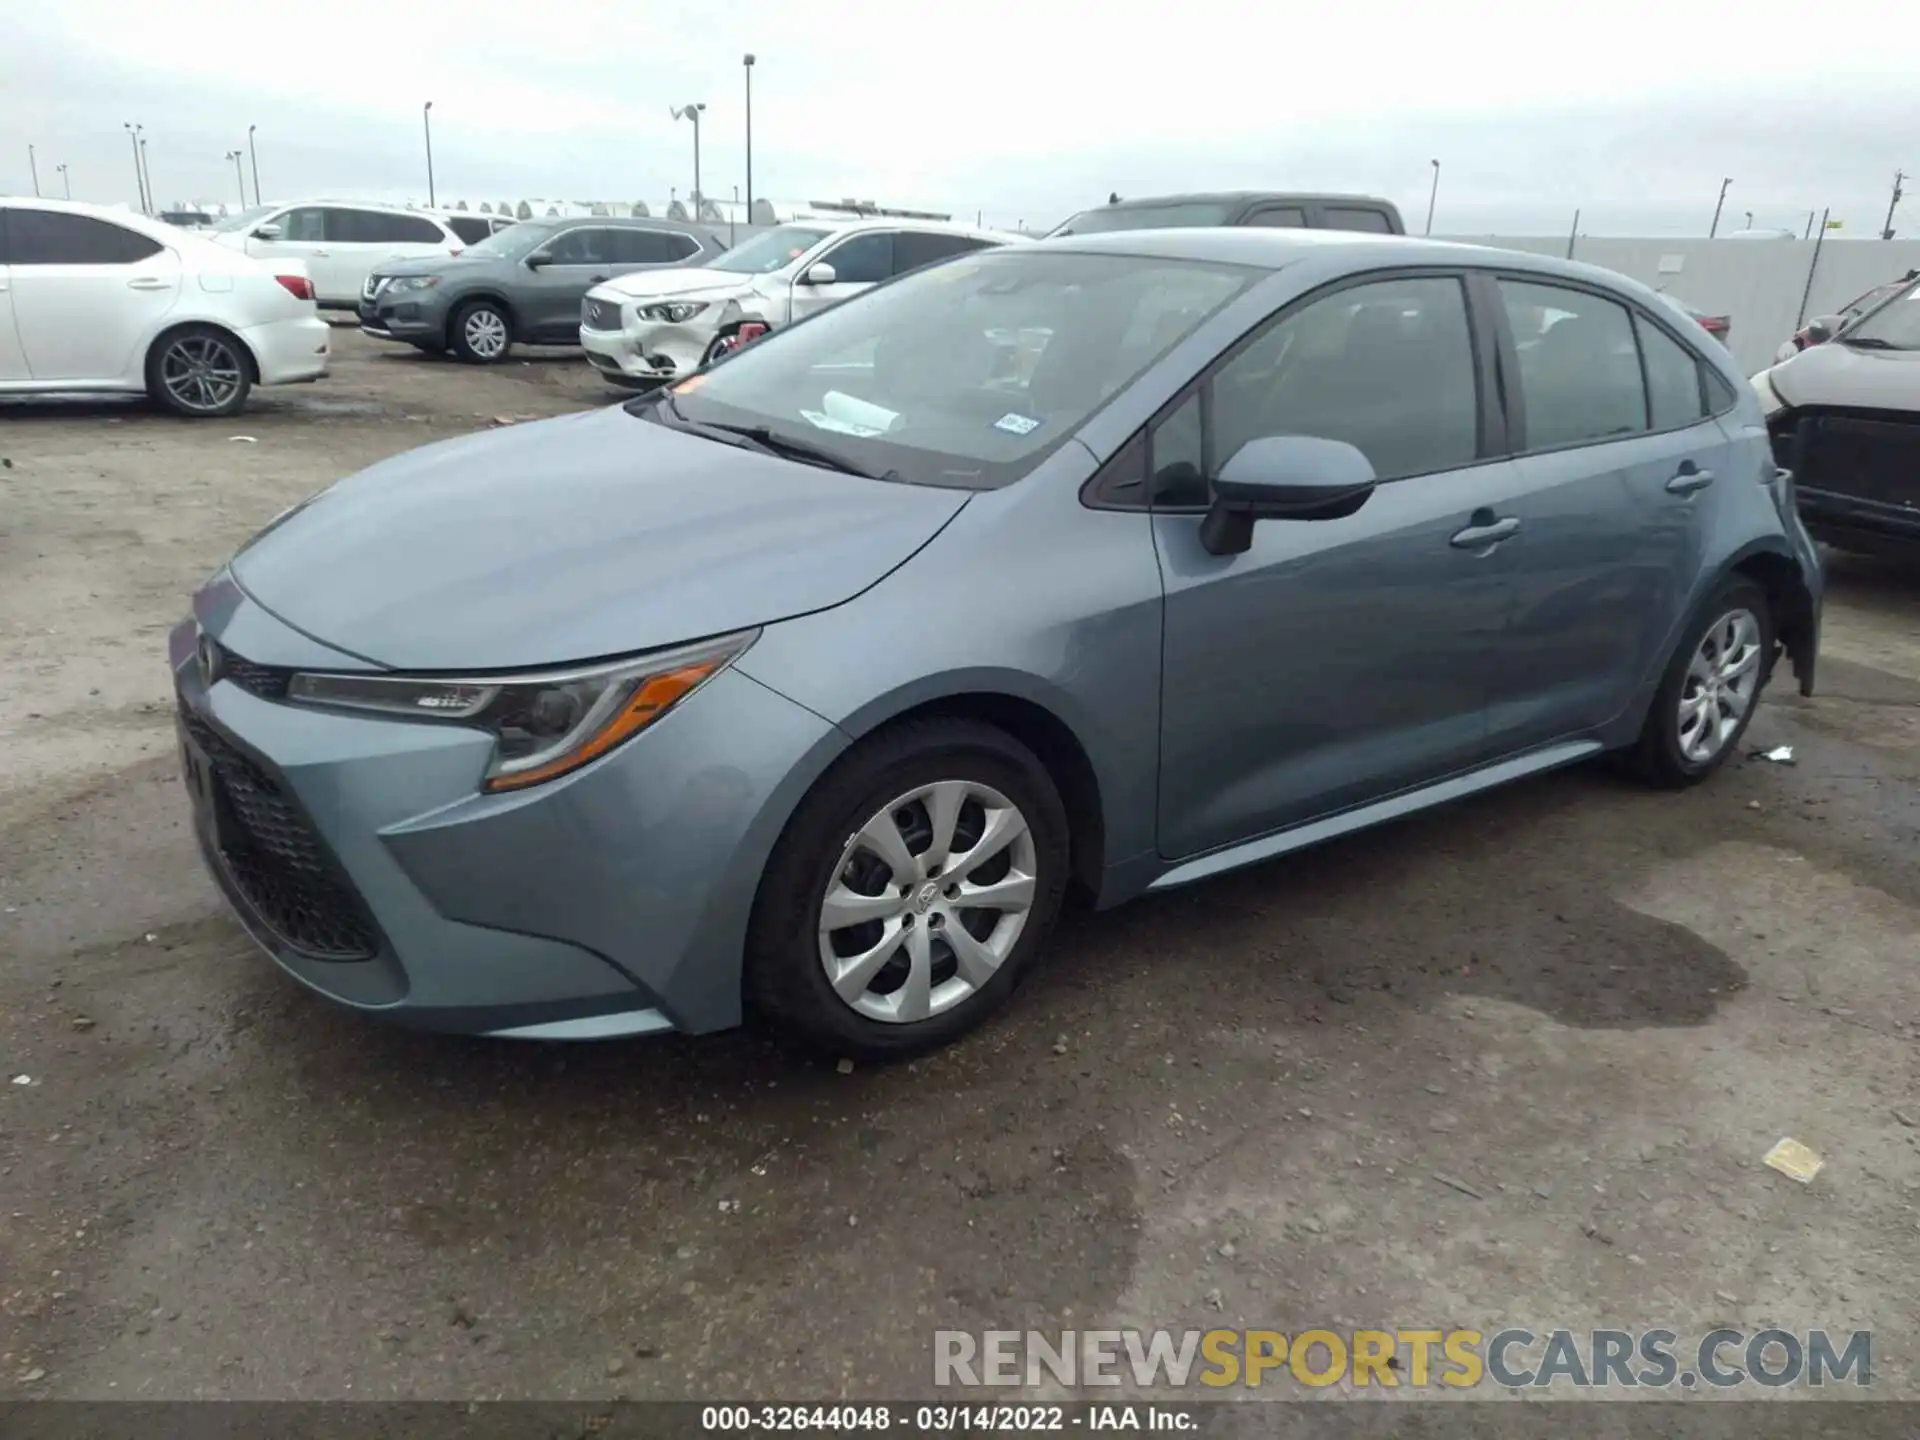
(1721, 396)
(1673, 378)
(864, 259)
(308, 225)
(1387, 367)
(413, 230)
(584, 246)
(1346, 217)
(355, 227)
(1279, 217)
(1177, 459)
(49, 237)
(914, 248)
(1579, 366)
(471, 229)
(651, 247)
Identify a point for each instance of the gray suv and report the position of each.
(523, 284)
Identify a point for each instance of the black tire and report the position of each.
(1658, 757)
(199, 371)
(462, 346)
(786, 984)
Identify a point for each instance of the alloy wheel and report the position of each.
(201, 372)
(927, 901)
(1721, 681)
(485, 332)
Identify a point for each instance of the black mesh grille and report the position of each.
(269, 682)
(600, 314)
(277, 861)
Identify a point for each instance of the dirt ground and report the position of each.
(1592, 1006)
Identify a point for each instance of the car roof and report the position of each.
(1200, 197)
(893, 222)
(1276, 249)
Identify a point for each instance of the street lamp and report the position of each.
(426, 122)
(254, 156)
(33, 165)
(1714, 229)
(139, 178)
(239, 175)
(1433, 194)
(693, 112)
(65, 180)
(1749, 219)
(146, 174)
(746, 63)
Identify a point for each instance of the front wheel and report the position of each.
(199, 371)
(481, 333)
(1707, 697)
(909, 893)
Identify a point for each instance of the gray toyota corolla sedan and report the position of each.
(809, 688)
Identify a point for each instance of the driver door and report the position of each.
(859, 262)
(1334, 662)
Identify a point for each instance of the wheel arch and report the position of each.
(493, 295)
(176, 323)
(1796, 614)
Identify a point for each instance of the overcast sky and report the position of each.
(1020, 109)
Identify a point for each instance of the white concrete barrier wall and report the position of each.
(1757, 284)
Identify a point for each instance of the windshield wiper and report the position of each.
(790, 447)
(1869, 342)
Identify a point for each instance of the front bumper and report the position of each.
(411, 316)
(649, 350)
(361, 856)
(290, 351)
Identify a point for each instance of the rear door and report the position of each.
(87, 295)
(13, 359)
(860, 261)
(1621, 463)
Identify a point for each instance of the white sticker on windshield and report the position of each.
(1016, 424)
(822, 421)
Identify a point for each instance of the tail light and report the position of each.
(297, 286)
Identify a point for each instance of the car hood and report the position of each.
(1837, 374)
(568, 540)
(678, 280)
(435, 265)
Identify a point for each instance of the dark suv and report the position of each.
(1267, 208)
(521, 285)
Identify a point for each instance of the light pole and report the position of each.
(1433, 194)
(746, 64)
(733, 215)
(1714, 229)
(693, 112)
(146, 175)
(254, 157)
(1886, 231)
(33, 166)
(139, 179)
(1749, 219)
(239, 175)
(426, 122)
(65, 180)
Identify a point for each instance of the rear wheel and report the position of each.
(481, 333)
(199, 371)
(1707, 697)
(909, 893)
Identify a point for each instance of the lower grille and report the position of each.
(1866, 455)
(277, 861)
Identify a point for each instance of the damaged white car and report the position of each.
(641, 329)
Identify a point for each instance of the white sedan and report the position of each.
(102, 300)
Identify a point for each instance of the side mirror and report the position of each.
(820, 274)
(1284, 477)
(1823, 328)
(269, 231)
(538, 259)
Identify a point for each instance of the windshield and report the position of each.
(510, 243)
(245, 220)
(770, 251)
(964, 374)
(1894, 326)
(1186, 215)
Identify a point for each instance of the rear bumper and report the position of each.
(1851, 523)
(288, 351)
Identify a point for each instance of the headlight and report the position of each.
(673, 313)
(413, 282)
(1770, 402)
(546, 724)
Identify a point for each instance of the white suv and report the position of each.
(340, 241)
(656, 324)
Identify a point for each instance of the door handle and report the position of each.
(149, 282)
(1486, 534)
(323, 254)
(1689, 478)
